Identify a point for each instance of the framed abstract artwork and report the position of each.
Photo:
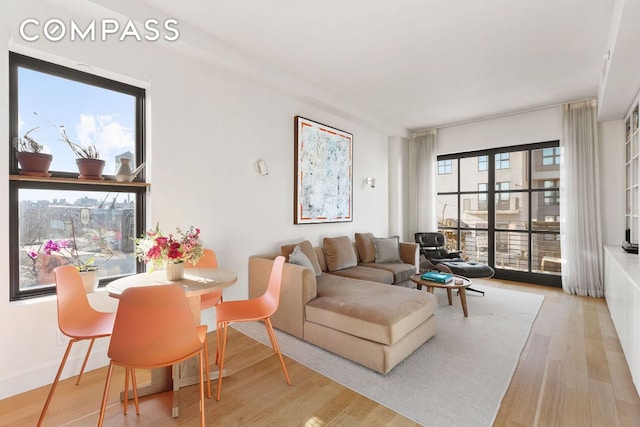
(323, 173)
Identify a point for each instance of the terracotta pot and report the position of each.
(34, 164)
(90, 168)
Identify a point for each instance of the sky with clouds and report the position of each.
(90, 115)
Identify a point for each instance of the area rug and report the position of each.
(457, 378)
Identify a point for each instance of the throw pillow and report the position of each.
(365, 246)
(387, 250)
(307, 248)
(298, 257)
(339, 253)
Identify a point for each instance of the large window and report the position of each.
(63, 219)
(501, 207)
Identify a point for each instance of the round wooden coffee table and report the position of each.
(459, 283)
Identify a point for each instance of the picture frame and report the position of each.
(323, 173)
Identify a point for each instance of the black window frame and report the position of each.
(17, 61)
(492, 228)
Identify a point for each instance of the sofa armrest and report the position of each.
(298, 288)
(410, 253)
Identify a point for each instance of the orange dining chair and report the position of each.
(208, 260)
(76, 319)
(154, 328)
(260, 308)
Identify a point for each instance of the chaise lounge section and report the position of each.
(351, 310)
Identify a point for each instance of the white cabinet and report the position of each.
(622, 292)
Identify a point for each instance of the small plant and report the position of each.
(29, 144)
(68, 249)
(81, 152)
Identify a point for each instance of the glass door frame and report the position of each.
(528, 276)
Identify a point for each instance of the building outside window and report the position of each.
(482, 196)
(502, 160)
(483, 163)
(551, 198)
(444, 167)
(551, 156)
(503, 196)
(63, 219)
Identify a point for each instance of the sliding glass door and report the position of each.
(501, 207)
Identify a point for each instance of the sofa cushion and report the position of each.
(339, 253)
(387, 250)
(299, 258)
(361, 272)
(365, 246)
(401, 271)
(307, 248)
(372, 311)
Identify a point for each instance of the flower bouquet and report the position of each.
(164, 250)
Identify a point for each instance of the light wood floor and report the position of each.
(571, 373)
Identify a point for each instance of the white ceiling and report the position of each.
(411, 64)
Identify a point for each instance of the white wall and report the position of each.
(612, 181)
(516, 129)
(206, 128)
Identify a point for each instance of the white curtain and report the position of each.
(423, 165)
(580, 231)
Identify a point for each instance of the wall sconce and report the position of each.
(371, 182)
(262, 167)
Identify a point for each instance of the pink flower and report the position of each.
(33, 255)
(51, 246)
(158, 248)
(64, 243)
(174, 251)
(154, 253)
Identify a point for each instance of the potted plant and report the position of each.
(88, 160)
(32, 161)
(67, 251)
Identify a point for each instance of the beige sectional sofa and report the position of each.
(355, 311)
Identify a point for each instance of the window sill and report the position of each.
(59, 180)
